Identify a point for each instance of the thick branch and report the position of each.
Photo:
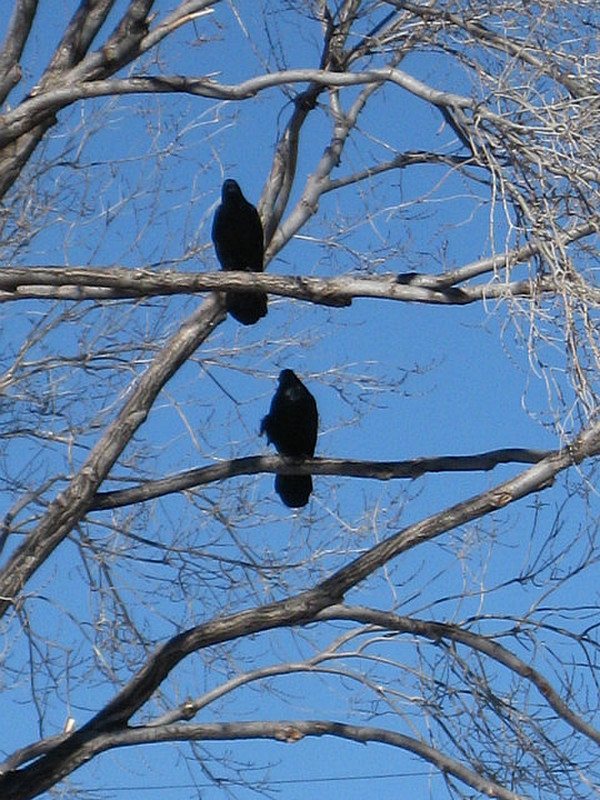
(534, 479)
(379, 470)
(71, 505)
(437, 631)
(82, 747)
(132, 37)
(68, 65)
(30, 111)
(301, 609)
(13, 44)
(79, 34)
(278, 185)
(120, 283)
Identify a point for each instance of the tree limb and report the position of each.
(71, 505)
(121, 283)
(16, 36)
(300, 609)
(81, 747)
(482, 644)
(378, 470)
(23, 118)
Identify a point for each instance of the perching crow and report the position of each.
(237, 234)
(291, 425)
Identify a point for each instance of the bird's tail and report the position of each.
(294, 490)
(246, 308)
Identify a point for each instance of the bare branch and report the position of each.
(378, 470)
(187, 11)
(520, 49)
(71, 505)
(519, 255)
(303, 607)
(13, 44)
(14, 123)
(30, 752)
(82, 746)
(280, 181)
(79, 34)
(300, 609)
(438, 630)
(534, 479)
(509, 177)
(120, 283)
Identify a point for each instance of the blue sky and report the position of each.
(392, 381)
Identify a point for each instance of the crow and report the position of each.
(291, 425)
(237, 234)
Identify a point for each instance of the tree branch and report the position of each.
(121, 283)
(534, 479)
(435, 631)
(71, 505)
(278, 185)
(520, 49)
(188, 11)
(16, 36)
(80, 748)
(23, 118)
(378, 470)
(79, 34)
(300, 609)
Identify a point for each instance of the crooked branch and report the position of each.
(120, 283)
(437, 631)
(284, 731)
(30, 111)
(378, 470)
(299, 609)
(70, 506)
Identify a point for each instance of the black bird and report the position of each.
(291, 425)
(237, 234)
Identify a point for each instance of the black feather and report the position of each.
(237, 234)
(291, 425)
